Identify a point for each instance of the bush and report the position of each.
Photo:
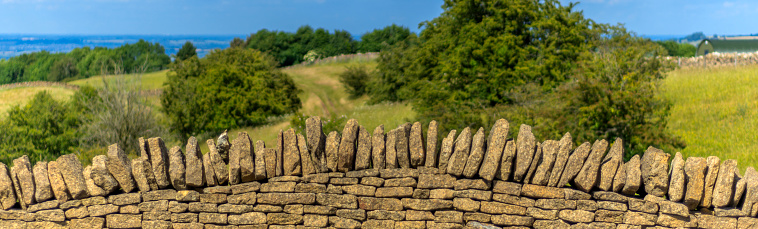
(43, 129)
(227, 89)
(678, 49)
(355, 79)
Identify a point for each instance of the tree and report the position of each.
(226, 89)
(678, 49)
(355, 79)
(43, 129)
(187, 51)
(381, 39)
(63, 69)
(237, 43)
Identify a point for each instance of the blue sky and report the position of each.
(646, 17)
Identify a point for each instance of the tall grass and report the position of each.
(22, 95)
(715, 110)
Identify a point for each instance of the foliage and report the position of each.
(43, 129)
(290, 48)
(115, 113)
(311, 56)
(83, 63)
(237, 43)
(226, 89)
(355, 79)
(381, 39)
(530, 62)
(187, 51)
(678, 49)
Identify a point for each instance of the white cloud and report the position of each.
(728, 4)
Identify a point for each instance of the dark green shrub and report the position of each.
(355, 80)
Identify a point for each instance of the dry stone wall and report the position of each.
(717, 60)
(400, 178)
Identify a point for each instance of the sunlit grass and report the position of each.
(716, 112)
(149, 81)
(22, 95)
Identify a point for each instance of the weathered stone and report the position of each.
(416, 146)
(204, 207)
(270, 157)
(177, 207)
(347, 149)
(340, 222)
(476, 156)
(571, 194)
(217, 163)
(728, 212)
(506, 163)
(42, 188)
(394, 192)
(363, 153)
(372, 181)
(555, 204)
(431, 145)
(286, 198)
(751, 190)
(747, 222)
(391, 150)
(149, 206)
(123, 221)
(466, 204)
(73, 175)
(100, 175)
(310, 188)
(378, 155)
(278, 187)
(711, 173)
(535, 162)
(56, 183)
(386, 215)
(92, 188)
(316, 143)
(209, 175)
(356, 214)
(477, 217)
(643, 206)
(474, 194)
(695, 169)
(668, 207)
(541, 192)
(512, 220)
(176, 169)
(495, 145)
(245, 187)
(125, 199)
(370, 224)
(609, 196)
(332, 150)
(70, 204)
(574, 164)
(215, 218)
(402, 145)
(588, 176)
(426, 204)
(525, 153)
(715, 222)
(667, 220)
(306, 162)
(143, 175)
(448, 217)
(194, 176)
(609, 216)
(460, 155)
(120, 167)
(337, 201)
(430, 181)
(549, 152)
(400, 182)
(243, 146)
(480, 184)
(564, 149)
(638, 218)
(619, 180)
(371, 203)
(103, 209)
(446, 151)
(633, 176)
(87, 223)
(610, 164)
(245, 198)
(576, 216)
(95, 200)
(159, 161)
(280, 154)
(722, 192)
(216, 198)
(611, 205)
(654, 168)
(259, 158)
(284, 219)
(292, 162)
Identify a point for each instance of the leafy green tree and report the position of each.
(355, 80)
(290, 48)
(63, 69)
(237, 43)
(43, 129)
(678, 49)
(381, 39)
(187, 51)
(226, 89)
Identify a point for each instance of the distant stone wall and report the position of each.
(718, 60)
(39, 84)
(402, 178)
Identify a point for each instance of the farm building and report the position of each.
(728, 45)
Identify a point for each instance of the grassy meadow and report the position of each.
(21, 95)
(714, 111)
(149, 81)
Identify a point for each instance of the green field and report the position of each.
(149, 81)
(715, 112)
(21, 95)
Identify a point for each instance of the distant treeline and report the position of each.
(291, 48)
(83, 63)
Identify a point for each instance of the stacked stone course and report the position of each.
(399, 179)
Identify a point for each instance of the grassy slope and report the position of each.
(149, 81)
(22, 95)
(714, 110)
(323, 95)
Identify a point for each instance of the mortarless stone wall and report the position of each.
(402, 178)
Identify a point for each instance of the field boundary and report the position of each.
(38, 84)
